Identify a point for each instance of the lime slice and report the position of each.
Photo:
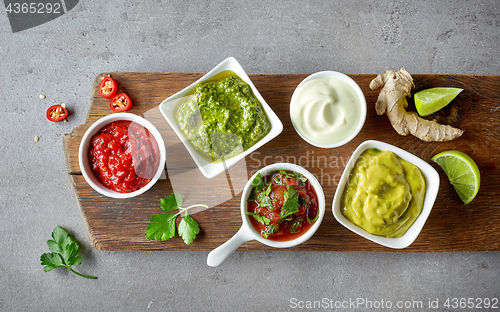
(431, 100)
(462, 172)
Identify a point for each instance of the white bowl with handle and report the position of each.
(247, 232)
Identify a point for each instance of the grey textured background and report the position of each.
(61, 59)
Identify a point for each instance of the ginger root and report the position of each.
(396, 86)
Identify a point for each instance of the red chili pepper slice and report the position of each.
(120, 103)
(57, 113)
(108, 87)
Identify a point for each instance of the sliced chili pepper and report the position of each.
(120, 103)
(108, 87)
(57, 113)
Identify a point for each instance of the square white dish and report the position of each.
(432, 187)
(169, 107)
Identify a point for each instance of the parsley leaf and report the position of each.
(264, 200)
(51, 261)
(270, 229)
(171, 202)
(262, 219)
(290, 192)
(188, 228)
(294, 228)
(65, 252)
(65, 245)
(162, 226)
(309, 220)
(278, 179)
(297, 176)
(291, 204)
(258, 183)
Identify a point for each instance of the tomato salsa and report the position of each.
(283, 205)
(124, 156)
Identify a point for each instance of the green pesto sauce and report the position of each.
(223, 118)
(385, 194)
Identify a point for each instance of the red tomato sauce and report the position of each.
(124, 156)
(281, 227)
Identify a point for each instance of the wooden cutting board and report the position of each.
(120, 224)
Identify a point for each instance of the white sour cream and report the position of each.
(325, 111)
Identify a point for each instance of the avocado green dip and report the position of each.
(223, 118)
(385, 193)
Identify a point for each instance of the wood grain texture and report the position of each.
(120, 224)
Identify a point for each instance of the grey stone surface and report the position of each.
(60, 60)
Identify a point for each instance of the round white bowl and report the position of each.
(247, 232)
(83, 154)
(357, 90)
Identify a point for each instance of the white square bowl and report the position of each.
(432, 187)
(169, 108)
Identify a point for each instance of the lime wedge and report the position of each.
(431, 100)
(462, 172)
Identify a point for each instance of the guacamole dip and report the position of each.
(223, 118)
(385, 193)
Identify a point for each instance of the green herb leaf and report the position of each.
(290, 192)
(61, 239)
(294, 228)
(162, 227)
(264, 200)
(188, 228)
(297, 176)
(64, 252)
(262, 219)
(71, 255)
(291, 204)
(270, 229)
(309, 220)
(171, 202)
(65, 245)
(258, 183)
(268, 189)
(51, 261)
(278, 179)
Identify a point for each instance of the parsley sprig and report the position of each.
(64, 252)
(162, 226)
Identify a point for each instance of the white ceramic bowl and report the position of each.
(432, 187)
(170, 106)
(84, 156)
(247, 232)
(359, 94)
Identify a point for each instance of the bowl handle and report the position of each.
(219, 254)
